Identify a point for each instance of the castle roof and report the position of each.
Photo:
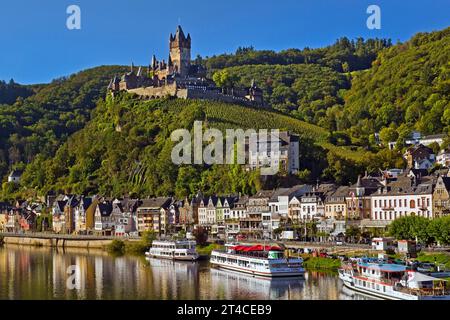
(179, 36)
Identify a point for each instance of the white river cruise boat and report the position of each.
(175, 250)
(263, 261)
(392, 281)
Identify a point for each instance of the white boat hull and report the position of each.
(261, 267)
(298, 273)
(176, 258)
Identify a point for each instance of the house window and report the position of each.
(412, 204)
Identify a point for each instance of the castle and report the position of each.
(178, 77)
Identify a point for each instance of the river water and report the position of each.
(45, 273)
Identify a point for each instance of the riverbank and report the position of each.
(438, 258)
(56, 243)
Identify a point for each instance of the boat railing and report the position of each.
(285, 259)
(423, 291)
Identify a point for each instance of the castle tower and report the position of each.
(180, 52)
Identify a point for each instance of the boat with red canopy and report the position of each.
(258, 260)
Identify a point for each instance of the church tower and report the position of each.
(180, 52)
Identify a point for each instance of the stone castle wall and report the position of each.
(190, 93)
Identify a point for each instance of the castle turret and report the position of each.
(180, 52)
(154, 62)
(139, 73)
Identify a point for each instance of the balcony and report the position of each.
(251, 220)
(250, 230)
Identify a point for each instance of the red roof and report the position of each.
(256, 248)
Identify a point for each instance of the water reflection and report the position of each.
(240, 286)
(42, 273)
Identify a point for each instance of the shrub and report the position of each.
(116, 247)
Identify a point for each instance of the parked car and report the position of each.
(339, 243)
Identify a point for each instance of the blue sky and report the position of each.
(36, 46)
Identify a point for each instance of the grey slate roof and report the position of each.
(156, 203)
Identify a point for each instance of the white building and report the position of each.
(443, 158)
(267, 224)
(239, 210)
(311, 206)
(202, 213)
(283, 153)
(207, 211)
(402, 198)
(14, 176)
(279, 202)
(104, 223)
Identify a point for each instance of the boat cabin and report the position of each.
(259, 251)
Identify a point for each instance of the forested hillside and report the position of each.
(305, 91)
(38, 124)
(9, 92)
(395, 90)
(126, 148)
(344, 55)
(407, 88)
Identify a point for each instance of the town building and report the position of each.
(69, 214)
(419, 157)
(252, 225)
(15, 176)
(443, 158)
(58, 216)
(124, 216)
(237, 212)
(188, 210)
(149, 214)
(104, 224)
(441, 197)
(408, 196)
(359, 205)
(312, 204)
(336, 204)
(279, 202)
(85, 214)
(281, 152)
(294, 211)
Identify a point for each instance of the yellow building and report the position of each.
(441, 197)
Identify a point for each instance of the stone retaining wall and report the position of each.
(60, 243)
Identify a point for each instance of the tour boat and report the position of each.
(175, 250)
(259, 260)
(392, 281)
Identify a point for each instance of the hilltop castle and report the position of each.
(178, 77)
